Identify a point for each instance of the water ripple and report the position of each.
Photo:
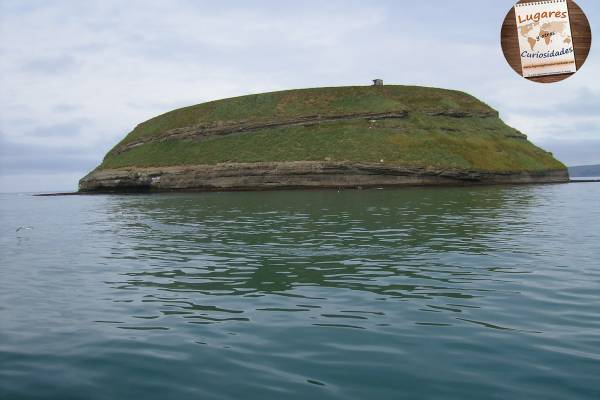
(437, 293)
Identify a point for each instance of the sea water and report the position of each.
(455, 293)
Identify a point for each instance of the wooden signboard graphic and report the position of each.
(546, 41)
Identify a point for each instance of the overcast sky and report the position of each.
(76, 76)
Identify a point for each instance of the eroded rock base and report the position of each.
(294, 175)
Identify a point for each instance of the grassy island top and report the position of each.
(316, 101)
(430, 127)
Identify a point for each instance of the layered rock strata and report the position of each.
(296, 175)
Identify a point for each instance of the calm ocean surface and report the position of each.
(454, 293)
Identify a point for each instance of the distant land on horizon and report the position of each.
(584, 170)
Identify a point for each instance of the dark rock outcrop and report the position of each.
(295, 175)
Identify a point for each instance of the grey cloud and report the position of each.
(574, 128)
(51, 65)
(16, 158)
(585, 103)
(573, 152)
(17, 7)
(62, 129)
(65, 108)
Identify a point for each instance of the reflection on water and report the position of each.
(482, 292)
(423, 246)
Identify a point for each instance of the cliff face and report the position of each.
(294, 175)
(327, 137)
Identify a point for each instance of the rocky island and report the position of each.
(338, 137)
